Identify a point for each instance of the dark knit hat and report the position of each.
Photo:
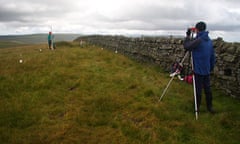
(201, 26)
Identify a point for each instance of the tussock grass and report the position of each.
(88, 95)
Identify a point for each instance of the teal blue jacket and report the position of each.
(49, 37)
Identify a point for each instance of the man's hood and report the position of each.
(203, 35)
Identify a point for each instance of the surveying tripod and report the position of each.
(176, 73)
(173, 75)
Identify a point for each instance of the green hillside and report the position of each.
(36, 38)
(90, 95)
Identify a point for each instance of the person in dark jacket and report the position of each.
(203, 56)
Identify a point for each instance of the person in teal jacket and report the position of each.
(203, 55)
(50, 40)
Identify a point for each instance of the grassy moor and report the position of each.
(87, 94)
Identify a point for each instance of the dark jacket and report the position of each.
(202, 52)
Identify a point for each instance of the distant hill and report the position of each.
(36, 38)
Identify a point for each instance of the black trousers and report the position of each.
(49, 44)
(203, 82)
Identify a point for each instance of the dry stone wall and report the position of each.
(163, 51)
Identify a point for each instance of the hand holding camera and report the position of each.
(188, 33)
(191, 31)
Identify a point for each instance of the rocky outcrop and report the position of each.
(163, 51)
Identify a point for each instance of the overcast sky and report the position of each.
(126, 17)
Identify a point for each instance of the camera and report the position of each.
(191, 31)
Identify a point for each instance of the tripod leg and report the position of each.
(185, 56)
(165, 90)
(195, 98)
(194, 92)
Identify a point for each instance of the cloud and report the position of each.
(108, 16)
